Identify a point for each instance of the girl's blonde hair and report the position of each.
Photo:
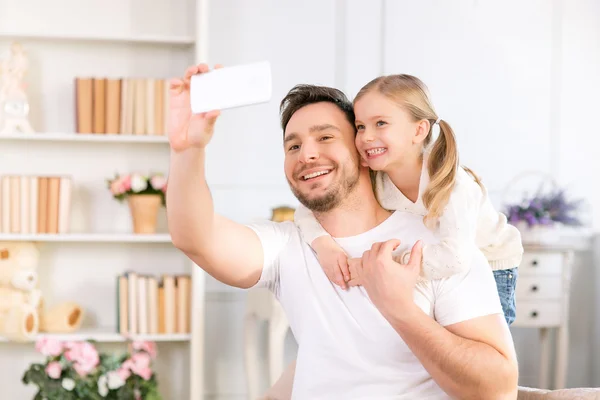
(411, 93)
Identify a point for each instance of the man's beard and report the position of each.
(335, 194)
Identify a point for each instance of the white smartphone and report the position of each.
(230, 87)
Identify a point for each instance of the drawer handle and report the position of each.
(534, 288)
(534, 263)
(534, 314)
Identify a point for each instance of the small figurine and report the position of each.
(14, 106)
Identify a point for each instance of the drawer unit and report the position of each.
(538, 313)
(542, 300)
(540, 263)
(541, 287)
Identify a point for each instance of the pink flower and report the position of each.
(53, 370)
(141, 360)
(120, 185)
(49, 347)
(124, 372)
(158, 182)
(148, 347)
(116, 188)
(126, 182)
(141, 365)
(84, 357)
(145, 373)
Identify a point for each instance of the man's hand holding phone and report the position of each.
(187, 130)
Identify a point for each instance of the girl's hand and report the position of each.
(333, 260)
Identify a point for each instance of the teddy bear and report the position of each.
(22, 310)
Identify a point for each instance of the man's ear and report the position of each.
(421, 132)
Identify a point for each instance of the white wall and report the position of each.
(516, 79)
(578, 165)
(488, 67)
(578, 86)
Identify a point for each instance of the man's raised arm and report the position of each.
(230, 252)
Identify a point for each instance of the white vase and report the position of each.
(539, 234)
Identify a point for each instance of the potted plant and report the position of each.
(144, 194)
(76, 370)
(539, 218)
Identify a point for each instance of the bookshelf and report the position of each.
(113, 40)
(87, 238)
(185, 41)
(83, 137)
(109, 336)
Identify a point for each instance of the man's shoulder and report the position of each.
(479, 272)
(285, 228)
(275, 234)
(280, 242)
(466, 295)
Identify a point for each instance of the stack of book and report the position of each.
(134, 106)
(35, 204)
(150, 305)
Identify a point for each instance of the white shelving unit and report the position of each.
(108, 336)
(88, 238)
(83, 137)
(63, 53)
(141, 39)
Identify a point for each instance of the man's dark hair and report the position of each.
(303, 95)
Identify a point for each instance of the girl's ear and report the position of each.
(423, 127)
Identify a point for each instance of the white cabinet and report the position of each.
(542, 300)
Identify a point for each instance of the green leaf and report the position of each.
(125, 392)
(153, 394)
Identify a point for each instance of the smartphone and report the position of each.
(231, 87)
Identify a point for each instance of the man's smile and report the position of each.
(314, 174)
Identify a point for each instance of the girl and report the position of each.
(394, 123)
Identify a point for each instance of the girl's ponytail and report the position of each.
(442, 166)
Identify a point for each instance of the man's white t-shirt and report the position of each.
(346, 348)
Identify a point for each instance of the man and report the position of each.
(390, 338)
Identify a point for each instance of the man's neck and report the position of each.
(359, 213)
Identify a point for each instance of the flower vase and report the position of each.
(144, 212)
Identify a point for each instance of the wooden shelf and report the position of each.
(142, 39)
(88, 237)
(158, 41)
(110, 336)
(85, 137)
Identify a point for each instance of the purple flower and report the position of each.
(545, 210)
